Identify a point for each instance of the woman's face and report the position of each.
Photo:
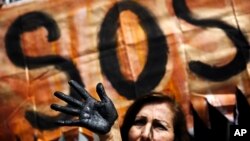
(153, 122)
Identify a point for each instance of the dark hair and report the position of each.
(179, 121)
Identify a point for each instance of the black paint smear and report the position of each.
(154, 68)
(29, 22)
(242, 110)
(201, 131)
(219, 124)
(213, 73)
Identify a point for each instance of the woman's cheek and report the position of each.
(163, 136)
(134, 133)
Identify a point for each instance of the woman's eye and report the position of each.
(160, 126)
(140, 122)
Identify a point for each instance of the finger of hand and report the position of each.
(80, 90)
(69, 122)
(101, 92)
(65, 109)
(70, 100)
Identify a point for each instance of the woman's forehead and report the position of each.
(156, 109)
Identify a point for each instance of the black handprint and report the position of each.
(97, 116)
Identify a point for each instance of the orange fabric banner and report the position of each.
(191, 49)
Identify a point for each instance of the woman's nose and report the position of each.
(146, 133)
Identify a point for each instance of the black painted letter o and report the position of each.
(154, 68)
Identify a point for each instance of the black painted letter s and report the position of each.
(29, 22)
